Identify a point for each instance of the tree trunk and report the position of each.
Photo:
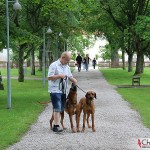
(20, 63)
(130, 64)
(140, 56)
(115, 60)
(139, 42)
(64, 45)
(48, 52)
(32, 62)
(50, 58)
(56, 52)
(28, 63)
(139, 62)
(123, 60)
(40, 60)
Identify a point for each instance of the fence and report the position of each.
(3, 64)
(102, 64)
(107, 64)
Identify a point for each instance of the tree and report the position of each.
(2, 26)
(131, 10)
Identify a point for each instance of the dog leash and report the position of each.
(63, 85)
(81, 89)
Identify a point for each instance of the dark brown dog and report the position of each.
(70, 107)
(87, 105)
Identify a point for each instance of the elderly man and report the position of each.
(58, 74)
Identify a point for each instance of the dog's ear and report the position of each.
(86, 95)
(72, 85)
(95, 95)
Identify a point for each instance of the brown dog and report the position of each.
(70, 107)
(87, 105)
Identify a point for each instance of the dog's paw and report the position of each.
(83, 129)
(94, 130)
(64, 128)
(89, 126)
(78, 130)
(74, 130)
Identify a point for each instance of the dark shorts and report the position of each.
(58, 101)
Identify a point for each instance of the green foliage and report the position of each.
(106, 52)
(78, 43)
(2, 26)
(121, 22)
(61, 14)
(142, 27)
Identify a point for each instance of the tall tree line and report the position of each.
(124, 23)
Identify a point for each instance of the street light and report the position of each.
(60, 34)
(49, 31)
(16, 6)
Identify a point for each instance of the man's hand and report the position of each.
(62, 76)
(73, 80)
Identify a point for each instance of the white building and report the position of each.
(3, 55)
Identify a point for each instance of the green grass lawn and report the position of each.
(14, 72)
(25, 109)
(139, 98)
(26, 95)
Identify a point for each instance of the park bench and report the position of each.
(136, 80)
(1, 84)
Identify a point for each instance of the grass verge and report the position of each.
(25, 109)
(139, 98)
(27, 72)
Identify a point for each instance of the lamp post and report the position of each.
(16, 6)
(49, 31)
(60, 34)
(64, 45)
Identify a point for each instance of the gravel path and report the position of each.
(118, 127)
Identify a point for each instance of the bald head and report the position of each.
(65, 57)
(66, 54)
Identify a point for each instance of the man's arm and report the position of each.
(76, 58)
(55, 77)
(72, 79)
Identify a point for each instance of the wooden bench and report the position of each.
(136, 80)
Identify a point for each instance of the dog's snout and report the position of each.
(91, 98)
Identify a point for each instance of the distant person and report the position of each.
(83, 63)
(94, 63)
(86, 62)
(79, 61)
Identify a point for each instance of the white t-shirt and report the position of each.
(54, 69)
